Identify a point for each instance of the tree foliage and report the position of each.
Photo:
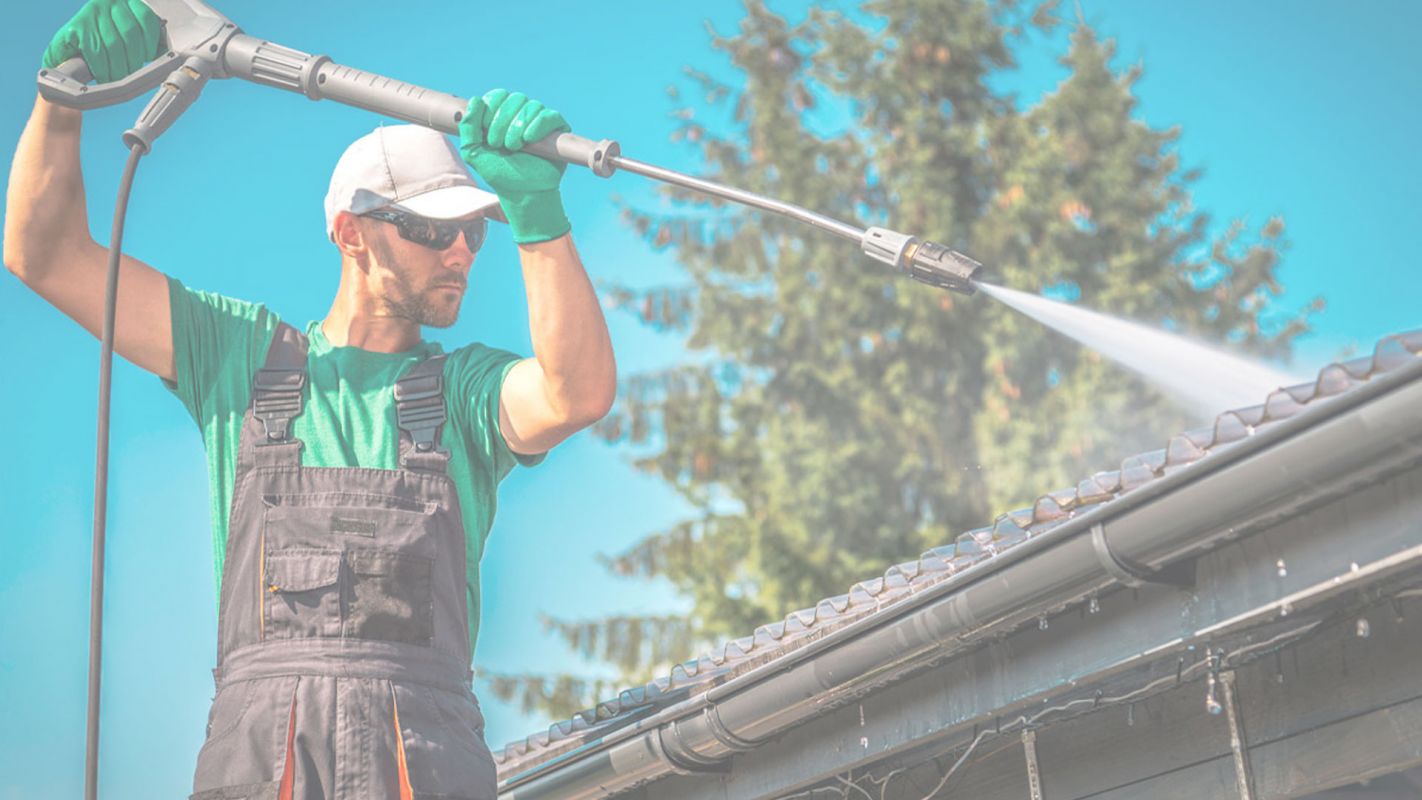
(837, 418)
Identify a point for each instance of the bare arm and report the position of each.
(571, 381)
(48, 245)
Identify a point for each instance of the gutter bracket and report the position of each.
(1180, 574)
(680, 759)
(724, 734)
(1034, 773)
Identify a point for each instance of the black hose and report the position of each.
(101, 479)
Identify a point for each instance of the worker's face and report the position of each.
(415, 282)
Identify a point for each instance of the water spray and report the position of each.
(200, 44)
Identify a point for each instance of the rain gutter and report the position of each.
(1331, 445)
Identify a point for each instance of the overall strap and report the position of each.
(277, 398)
(420, 413)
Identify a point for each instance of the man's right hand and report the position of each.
(115, 37)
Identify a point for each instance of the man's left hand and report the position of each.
(492, 133)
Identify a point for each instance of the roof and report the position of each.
(870, 597)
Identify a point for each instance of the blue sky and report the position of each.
(1307, 110)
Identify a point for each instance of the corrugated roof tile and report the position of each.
(1281, 405)
(1335, 380)
(1047, 509)
(1135, 473)
(1182, 450)
(1230, 428)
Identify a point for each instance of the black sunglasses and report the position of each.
(437, 234)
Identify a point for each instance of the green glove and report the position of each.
(494, 128)
(115, 37)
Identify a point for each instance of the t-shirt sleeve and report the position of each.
(218, 344)
(480, 371)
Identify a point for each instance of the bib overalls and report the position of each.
(343, 663)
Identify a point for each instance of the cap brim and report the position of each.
(453, 202)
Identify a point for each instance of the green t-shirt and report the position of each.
(349, 416)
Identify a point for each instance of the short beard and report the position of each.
(403, 301)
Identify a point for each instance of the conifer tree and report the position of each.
(836, 419)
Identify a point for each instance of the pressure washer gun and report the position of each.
(201, 44)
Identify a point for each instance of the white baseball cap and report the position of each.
(409, 167)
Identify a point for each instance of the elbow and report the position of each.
(602, 404)
(13, 262)
(18, 267)
(594, 403)
(606, 393)
(592, 406)
(16, 255)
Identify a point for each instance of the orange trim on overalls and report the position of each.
(406, 793)
(288, 772)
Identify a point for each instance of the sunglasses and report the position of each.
(436, 234)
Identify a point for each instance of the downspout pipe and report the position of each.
(1338, 442)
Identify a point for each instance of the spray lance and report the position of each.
(201, 44)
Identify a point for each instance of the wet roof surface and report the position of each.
(771, 641)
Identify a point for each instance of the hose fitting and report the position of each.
(925, 262)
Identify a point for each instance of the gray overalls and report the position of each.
(343, 655)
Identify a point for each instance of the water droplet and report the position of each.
(1131, 715)
(1212, 700)
(1041, 623)
(1094, 606)
(1353, 567)
(864, 742)
(1364, 629)
(1283, 569)
(1285, 609)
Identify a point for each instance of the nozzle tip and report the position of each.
(936, 265)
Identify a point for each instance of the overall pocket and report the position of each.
(446, 755)
(301, 593)
(391, 597)
(349, 570)
(241, 757)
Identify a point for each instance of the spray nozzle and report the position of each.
(925, 262)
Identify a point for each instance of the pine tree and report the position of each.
(838, 419)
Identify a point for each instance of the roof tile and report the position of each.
(938, 563)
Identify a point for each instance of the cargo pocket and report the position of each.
(391, 597)
(238, 757)
(444, 755)
(300, 594)
(228, 709)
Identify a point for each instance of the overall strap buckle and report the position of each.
(277, 401)
(419, 407)
(277, 390)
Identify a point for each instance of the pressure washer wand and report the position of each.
(924, 261)
(205, 44)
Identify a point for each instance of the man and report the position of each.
(353, 466)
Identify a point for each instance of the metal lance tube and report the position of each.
(320, 78)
